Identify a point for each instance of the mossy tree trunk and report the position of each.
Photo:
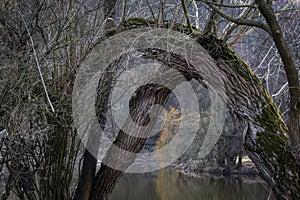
(265, 7)
(265, 131)
(265, 139)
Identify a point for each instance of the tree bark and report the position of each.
(265, 139)
(89, 166)
(265, 131)
(132, 142)
(291, 72)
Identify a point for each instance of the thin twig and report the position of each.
(38, 64)
(161, 17)
(196, 14)
(186, 15)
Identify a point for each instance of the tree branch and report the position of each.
(226, 5)
(186, 15)
(37, 63)
(238, 21)
(232, 26)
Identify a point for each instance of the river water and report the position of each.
(170, 185)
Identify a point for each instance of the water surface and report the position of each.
(170, 185)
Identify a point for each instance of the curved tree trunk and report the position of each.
(265, 139)
(265, 131)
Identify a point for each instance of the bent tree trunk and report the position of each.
(265, 131)
(265, 139)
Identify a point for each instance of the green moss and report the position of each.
(240, 65)
(111, 33)
(270, 119)
(139, 21)
(272, 139)
(219, 50)
(271, 144)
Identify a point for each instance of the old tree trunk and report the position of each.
(266, 133)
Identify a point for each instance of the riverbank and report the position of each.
(192, 168)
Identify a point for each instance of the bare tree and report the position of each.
(44, 42)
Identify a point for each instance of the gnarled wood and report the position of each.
(265, 138)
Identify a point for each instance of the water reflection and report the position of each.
(170, 185)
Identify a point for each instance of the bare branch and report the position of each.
(232, 26)
(238, 21)
(161, 12)
(196, 14)
(227, 5)
(37, 63)
(186, 15)
(282, 89)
